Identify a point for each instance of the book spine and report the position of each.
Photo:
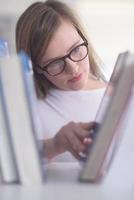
(7, 158)
(4, 50)
(20, 121)
(9, 172)
(108, 137)
(31, 96)
(1, 178)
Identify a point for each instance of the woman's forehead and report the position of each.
(64, 37)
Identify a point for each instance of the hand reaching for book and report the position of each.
(73, 137)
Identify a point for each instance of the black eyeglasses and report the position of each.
(57, 66)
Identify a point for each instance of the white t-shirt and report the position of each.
(61, 107)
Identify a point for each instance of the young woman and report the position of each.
(68, 77)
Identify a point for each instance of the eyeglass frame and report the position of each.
(44, 68)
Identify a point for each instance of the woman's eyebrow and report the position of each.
(58, 57)
(73, 46)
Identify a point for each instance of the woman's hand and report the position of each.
(73, 137)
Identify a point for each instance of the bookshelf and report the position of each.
(62, 179)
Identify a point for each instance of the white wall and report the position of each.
(10, 10)
(17, 6)
(110, 27)
(13, 6)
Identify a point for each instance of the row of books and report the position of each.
(20, 160)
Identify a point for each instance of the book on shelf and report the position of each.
(4, 49)
(107, 132)
(8, 168)
(9, 172)
(1, 179)
(21, 105)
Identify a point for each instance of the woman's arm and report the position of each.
(49, 149)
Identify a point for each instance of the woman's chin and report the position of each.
(78, 87)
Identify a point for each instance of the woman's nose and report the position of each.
(71, 66)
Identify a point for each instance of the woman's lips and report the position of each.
(76, 78)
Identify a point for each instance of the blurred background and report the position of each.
(109, 23)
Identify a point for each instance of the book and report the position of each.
(9, 173)
(18, 88)
(1, 179)
(4, 49)
(107, 132)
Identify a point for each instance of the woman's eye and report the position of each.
(77, 49)
(56, 64)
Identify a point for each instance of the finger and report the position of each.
(83, 155)
(88, 125)
(87, 140)
(75, 143)
(81, 133)
(81, 129)
(75, 154)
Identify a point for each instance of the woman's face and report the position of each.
(75, 75)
